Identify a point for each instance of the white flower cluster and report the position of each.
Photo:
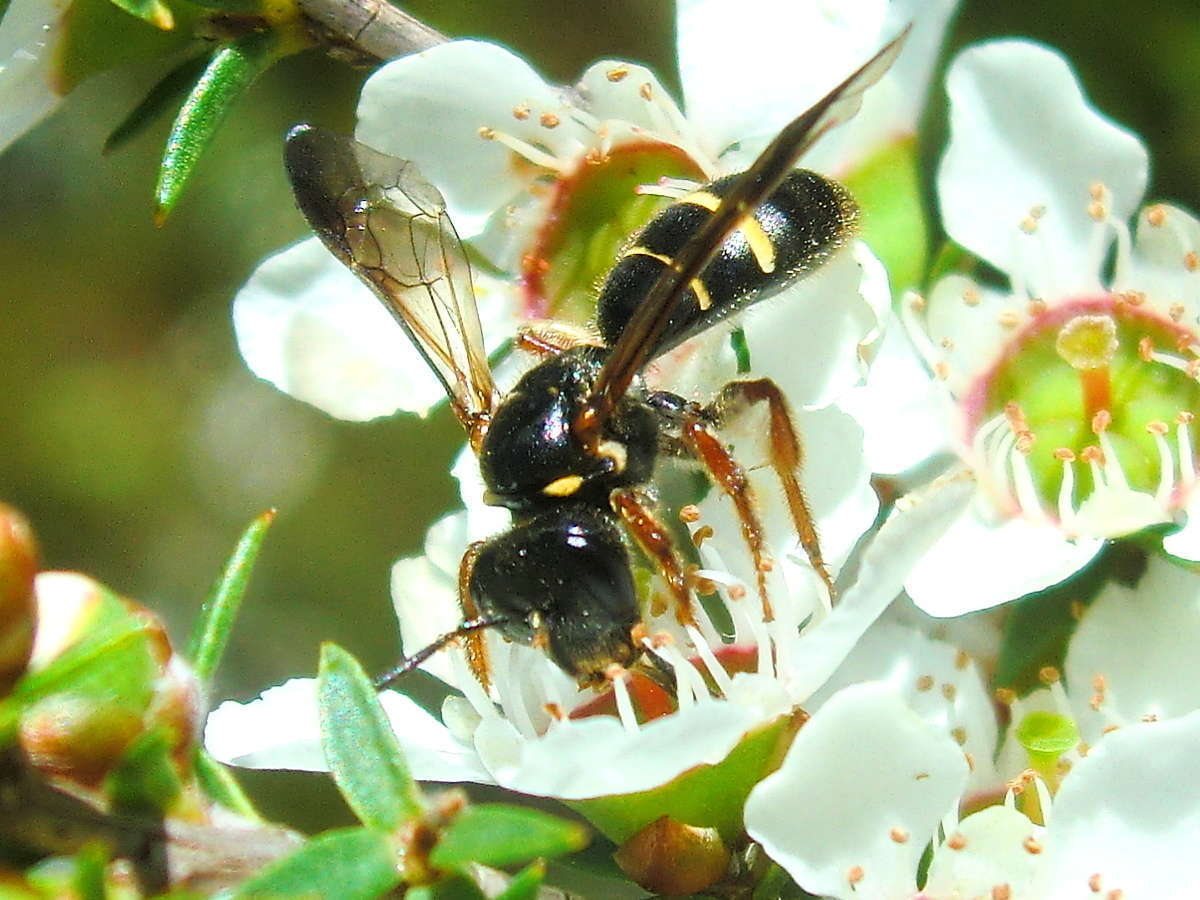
(898, 760)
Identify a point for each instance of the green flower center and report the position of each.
(591, 215)
(1087, 418)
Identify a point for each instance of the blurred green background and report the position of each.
(139, 445)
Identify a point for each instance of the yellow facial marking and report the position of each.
(563, 487)
(698, 288)
(760, 244)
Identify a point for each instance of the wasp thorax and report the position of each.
(531, 456)
(1087, 418)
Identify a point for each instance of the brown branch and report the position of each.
(368, 30)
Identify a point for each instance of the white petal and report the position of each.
(747, 72)
(934, 679)
(432, 752)
(1142, 641)
(1023, 136)
(29, 33)
(905, 414)
(278, 730)
(425, 600)
(863, 766)
(308, 326)
(891, 108)
(968, 328)
(917, 521)
(1162, 263)
(994, 854)
(429, 107)
(565, 762)
(1129, 812)
(1185, 543)
(1117, 510)
(281, 730)
(635, 102)
(979, 564)
(837, 479)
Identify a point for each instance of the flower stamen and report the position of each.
(528, 151)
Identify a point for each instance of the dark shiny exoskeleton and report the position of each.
(570, 447)
(531, 458)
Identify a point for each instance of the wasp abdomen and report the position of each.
(794, 231)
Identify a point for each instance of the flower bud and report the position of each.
(18, 565)
(123, 681)
(668, 857)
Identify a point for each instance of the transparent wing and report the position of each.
(640, 336)
(389, 226)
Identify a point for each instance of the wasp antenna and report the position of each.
(388, 678)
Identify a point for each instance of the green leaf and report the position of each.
(171, 90)
(144, 782)
(349, 864)
(360, 747)
(91, 864)
(456, 887)
(525, 883)
(230, 72)
(220, 609)
(500, 835)
(155, 12)
(218, 782)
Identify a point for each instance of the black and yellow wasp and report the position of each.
(570, 449)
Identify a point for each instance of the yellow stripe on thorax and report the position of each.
(756, 238)
(698, 288)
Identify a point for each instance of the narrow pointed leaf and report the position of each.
(501, 835)
(230, 72)
(218, 782)
(350, 864)
(456, 887)
(220, 608)
(155, 12)
(360, 747)
(90, 865)
(167, 93)
(525, 884)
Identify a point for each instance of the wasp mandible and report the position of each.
(570, 448)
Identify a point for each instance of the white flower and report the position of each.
(1112, 810)
(1123, 825)
(1130, 659)
(537, 179)
(29, 36)
(1071, 392)
(524, 737)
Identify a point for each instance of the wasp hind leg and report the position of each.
(654, 540)
(786, 456)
